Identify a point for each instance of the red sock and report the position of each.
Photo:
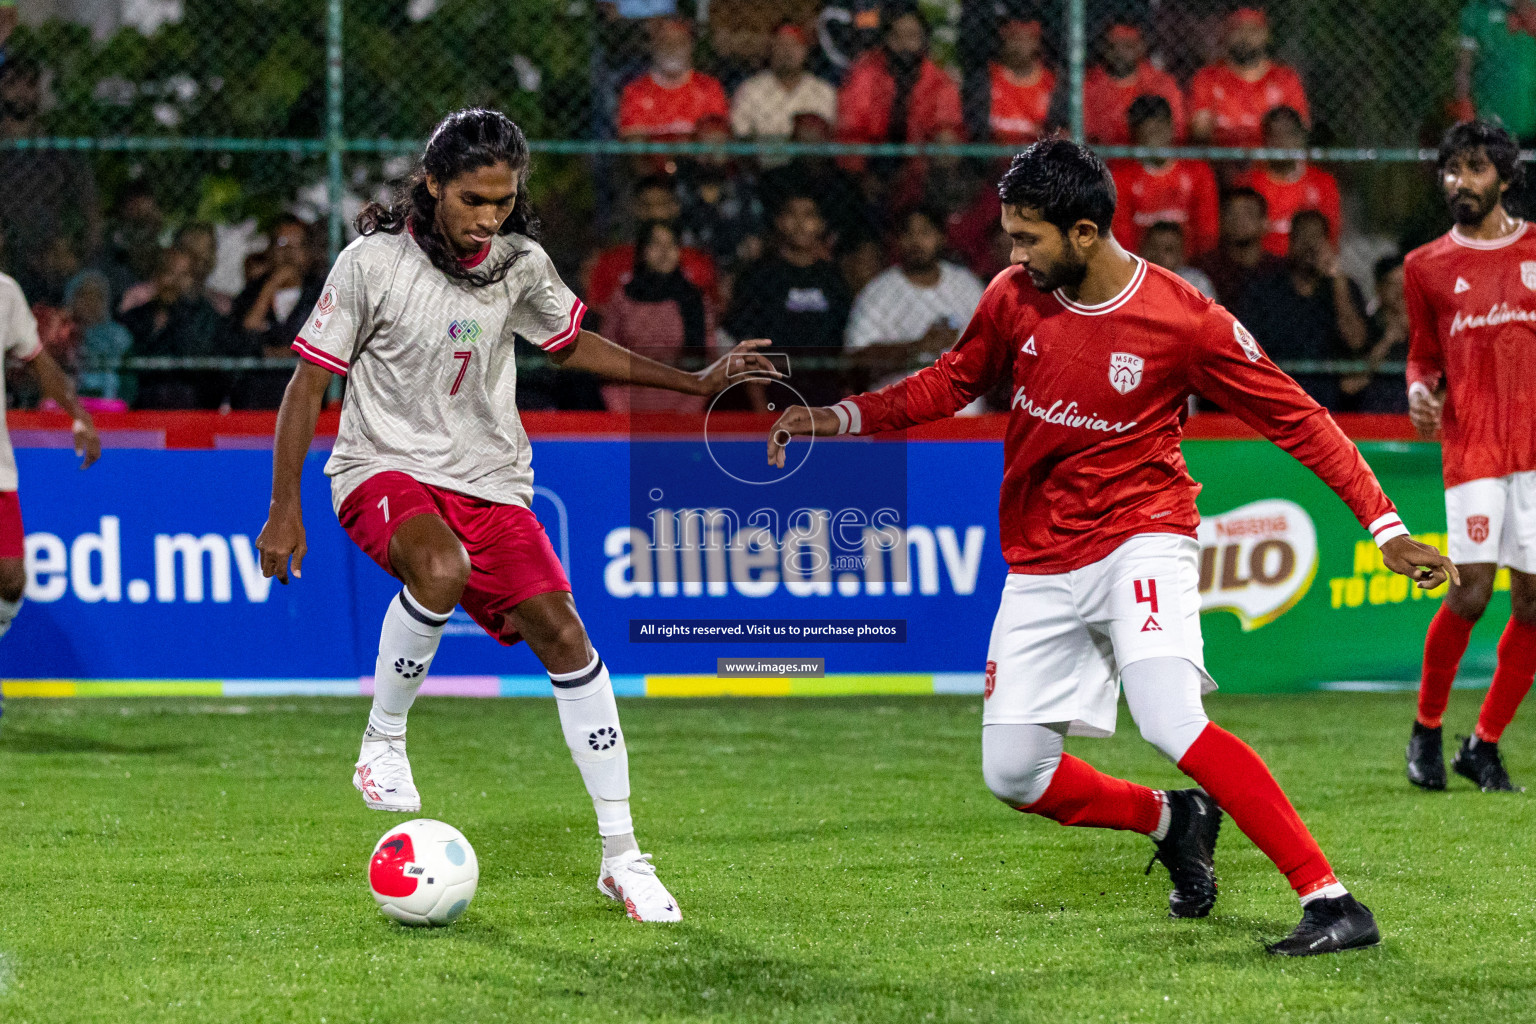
(1079, 794)
(1511, 680)
(1444, 645)
(1237, 779)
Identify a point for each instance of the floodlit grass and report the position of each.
(836, 860)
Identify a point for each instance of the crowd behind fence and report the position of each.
(174, 176)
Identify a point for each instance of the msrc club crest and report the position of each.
(1528, 274)
(1124, 371)
(1477, 527)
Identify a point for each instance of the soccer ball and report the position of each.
(423, 872)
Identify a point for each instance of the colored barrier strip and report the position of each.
(852, 684)
(291, 688)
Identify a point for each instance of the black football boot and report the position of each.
(1188, 852)
(1330, 926)
(1426, 757)
(1480, 762)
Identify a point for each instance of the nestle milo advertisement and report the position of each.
(1295, 593)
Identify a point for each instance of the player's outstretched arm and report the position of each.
(282, 537)
(597, 355)
(799, 421)
(55, 384)
(1230, 368)
(1419, 562)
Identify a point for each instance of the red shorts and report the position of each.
(510, 558)
(12, 536)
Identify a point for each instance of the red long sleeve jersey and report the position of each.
(1098, 406)
(1472, 326)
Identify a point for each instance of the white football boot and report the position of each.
(630, 879)
(383, 774)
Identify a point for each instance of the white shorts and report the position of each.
(1059, 641)
(1493, 520)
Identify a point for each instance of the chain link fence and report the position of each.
(827, 166)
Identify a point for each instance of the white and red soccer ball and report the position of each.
(423, 872)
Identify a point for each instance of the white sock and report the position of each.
(589, 717)
(8, 610)
(613, 846)
(407, 644)
(1164, 819)
(1332, 891)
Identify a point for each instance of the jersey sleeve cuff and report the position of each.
(1418, 387)
(572, 328)
(849, 421)
(1387, 527)
(27, 357)
(324, 360)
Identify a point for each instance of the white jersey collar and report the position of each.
(1110, 305)
(1497, 243)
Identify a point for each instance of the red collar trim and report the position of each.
(467, 262)
(471, 262)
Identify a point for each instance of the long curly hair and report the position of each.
(464, 141)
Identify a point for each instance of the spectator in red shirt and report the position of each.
(1021, 84)
(654, 199)
(1181, 192)
(1112, 85)
(669, 99)
(1227, 101)
(895, 92)
(1290, 186)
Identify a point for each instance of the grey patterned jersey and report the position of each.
(431, 374)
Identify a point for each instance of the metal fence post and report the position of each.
(334, 140)
(1077, 45)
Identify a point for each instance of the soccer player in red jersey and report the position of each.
(1228, 100)
(1471, 297)
(1152, 192)
(1290, 186)
(1100, 352)
(431, 473)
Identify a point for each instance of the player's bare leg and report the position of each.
(13, 583)
(589, 717)
(1479, 759)
(434, 567)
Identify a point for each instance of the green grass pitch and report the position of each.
(836, 860)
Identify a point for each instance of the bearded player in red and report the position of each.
(1472, 377)
(1101, 350)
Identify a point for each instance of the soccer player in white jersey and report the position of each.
(18, 339)
(431, 472)
(1100, 351)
